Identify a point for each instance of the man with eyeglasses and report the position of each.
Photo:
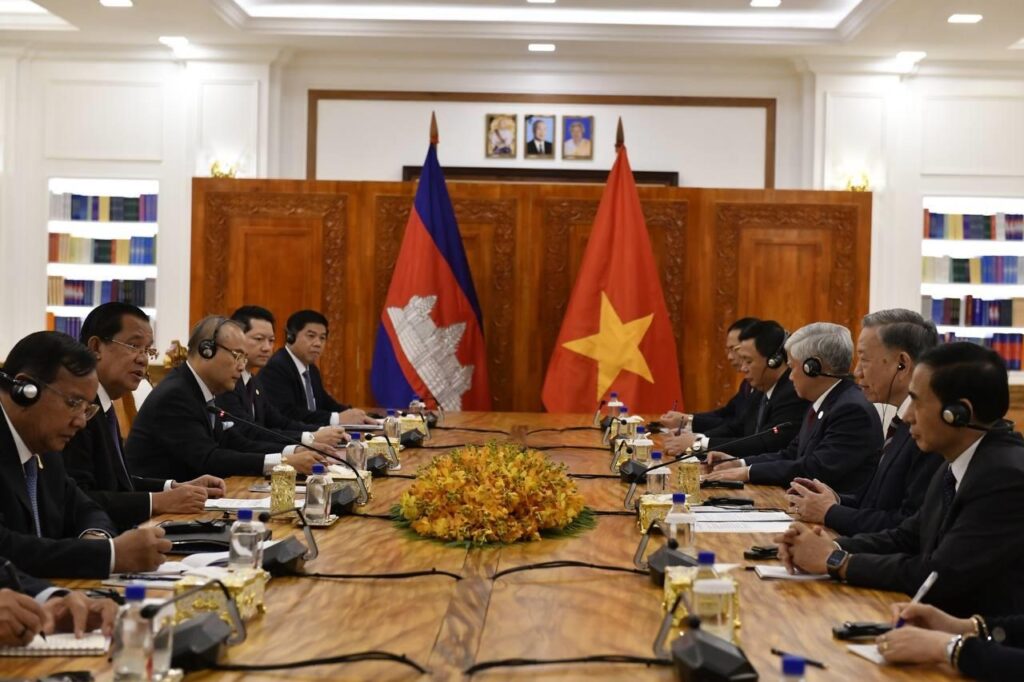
(48, 526)
(177, 434)
(121, 337)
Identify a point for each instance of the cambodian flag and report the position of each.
(430, 341)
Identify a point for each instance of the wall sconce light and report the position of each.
(219, 170)
(857, 181)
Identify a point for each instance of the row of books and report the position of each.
(1009, 346)
(979, 270)
(61, 291)
(104, 209)
(974, 312)
(134, 251)
(997, 227)
(72, 326)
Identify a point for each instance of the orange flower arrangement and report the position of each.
(491, 493)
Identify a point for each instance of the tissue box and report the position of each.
(246, 587)
(412, 422)
(653, 507)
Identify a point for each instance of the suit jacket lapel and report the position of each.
(11, 467)
(899, 442)
(197, 393)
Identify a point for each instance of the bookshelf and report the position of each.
(972, 272)
(102, 236)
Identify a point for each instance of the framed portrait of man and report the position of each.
(501, 136)
(577, 136)
(540, 136)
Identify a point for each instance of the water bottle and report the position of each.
(355, 452)
(393, 434)
(318, 495)
(682, 524)
(246, 536)
(614, 404)
(657, 478)
(641, 446)
(132, 650)
(706, 566)
(793, 668)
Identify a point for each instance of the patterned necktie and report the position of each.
(310, 400)
(948, 490)
(31, 479)
(762, 411)
(115, 434)
(894, 426)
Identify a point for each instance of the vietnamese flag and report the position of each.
(616, 335)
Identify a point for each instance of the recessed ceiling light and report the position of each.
(964, 18)
(765, 3)
(911, 56)
(174, 42)
(116, 3)
(542, 2)
(542, 47)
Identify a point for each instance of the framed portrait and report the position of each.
(501, 136)
(578, 136)
(540, 136)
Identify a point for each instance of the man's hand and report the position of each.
(215, 487)
(677, 445)
(720, 460)
(140, 549)
(674, 420)
(810, 502)
(21, 618)
(736, 473)
(913, 645)
(805, 548)
(930, 618)
(331, 436)
(182, 499)
(75, 612)
(303, 460)
(355, 416)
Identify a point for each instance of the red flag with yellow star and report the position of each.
(616, 335)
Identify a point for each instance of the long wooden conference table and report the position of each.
(448, 626)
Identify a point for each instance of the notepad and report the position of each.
(62, 644)
(780, 573)
(868, 651)
(236, 503)
(741, 526)
(744, 516)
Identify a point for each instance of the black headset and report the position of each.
(813, 368)
(23, 391)
(778, 358)
(289, 335)
(960, 415)
(208, 347)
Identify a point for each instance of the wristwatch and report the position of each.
(836, 560)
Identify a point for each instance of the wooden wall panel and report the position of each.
(797, 256)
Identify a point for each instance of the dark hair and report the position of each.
(967, 371)
(741, 324)
(106, 321)
(247, 313)
(768, 336)
(41, 355)
(905, 330)
(299, 320)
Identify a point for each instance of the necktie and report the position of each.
(31, 479)
(894, 426)
(948, 490)
(762, 411)
(213, 417)
(811, 417)
(250, 396)
(115, 434)
(310, 400)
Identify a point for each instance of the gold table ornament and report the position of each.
(282, 488)
(688, 481)
(247, 586)
(653, 507)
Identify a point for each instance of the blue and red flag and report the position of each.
(430, 341)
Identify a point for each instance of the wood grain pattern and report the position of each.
(538, 614)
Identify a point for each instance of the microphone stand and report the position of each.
(150, 610)
(312, 551)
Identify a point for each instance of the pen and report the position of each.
(15, 581)
(139, 576)
(808, 661)
(921, 592)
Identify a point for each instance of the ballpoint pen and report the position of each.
(921, 592)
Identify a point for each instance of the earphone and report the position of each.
(813, 368)
(960, 415)
(23, 392)
(289, 335)
(208, 347)
(778, 358)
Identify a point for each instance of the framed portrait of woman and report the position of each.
(577, 136)
(501, 136)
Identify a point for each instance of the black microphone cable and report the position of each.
(383, 576)
(329, 660)
(599, 658)
(563, 429)
(593, 476)
(470, 428)
(566, 564)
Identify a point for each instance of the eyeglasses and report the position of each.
(77, 405)
(151, 353)
(240, 356)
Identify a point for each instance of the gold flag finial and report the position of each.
(620, 137)
(433, 128)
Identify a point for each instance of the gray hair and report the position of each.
(904, 330)
(830, 343)
(206, 328)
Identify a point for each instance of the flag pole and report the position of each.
(620, 137)
(433, 128)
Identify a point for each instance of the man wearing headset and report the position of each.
(889, 346)
(840, 437)
(177, 433)
(968, 529)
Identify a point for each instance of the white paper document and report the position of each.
(236, 503)
(741, 526)
(868, 651)
(780, 573)
(746, 517)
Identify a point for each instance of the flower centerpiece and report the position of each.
(494, 493)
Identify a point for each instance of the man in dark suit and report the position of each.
(763, 363)
(291, 379)
(841, 434)
(175, 435)
(540, 145)
(250, 401)
(969, 527)
(737, 405)
(121, 338)
(47, 524)
(890, 344)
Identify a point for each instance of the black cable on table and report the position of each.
(566, 564)
(564, 429)
(382, 576)
(330, 660)
(592, 476)
(600, 658)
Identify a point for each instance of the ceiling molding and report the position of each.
(860, 17)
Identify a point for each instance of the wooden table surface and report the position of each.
(559, 613)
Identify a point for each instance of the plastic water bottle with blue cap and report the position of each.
(131, 652)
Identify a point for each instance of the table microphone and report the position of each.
(669, 555)
(364, 496)
(699, 655)
(286, 557)
(638, 471)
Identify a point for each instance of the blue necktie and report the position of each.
(310, 400)
(31, 479)
(115, 434)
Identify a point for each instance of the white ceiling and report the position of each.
(594, 30)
